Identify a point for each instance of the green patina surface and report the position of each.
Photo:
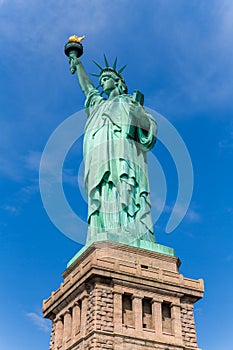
(118, 134)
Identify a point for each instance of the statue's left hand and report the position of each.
(138, 112)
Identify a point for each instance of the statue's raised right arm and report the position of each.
(84, 81)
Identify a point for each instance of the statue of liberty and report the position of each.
(118, 134)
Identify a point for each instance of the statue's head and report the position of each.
(110, 78)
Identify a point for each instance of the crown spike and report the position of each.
(121, 70)
(97, 64)
(106, 61)
(115, 64)
(95, 75)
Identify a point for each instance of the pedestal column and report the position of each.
(176, 321)
(117, 309)
(67, 327)
(84, 300)
(76, 317)
(157, 317)
(137, 310)
(58, 333)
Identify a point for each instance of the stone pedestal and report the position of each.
(117, 297)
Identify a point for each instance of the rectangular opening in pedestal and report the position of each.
(127, 310)
(144, 267)
(166, 318)
(147, 313)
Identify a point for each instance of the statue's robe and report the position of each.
(116, 175)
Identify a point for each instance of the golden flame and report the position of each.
(75, 38)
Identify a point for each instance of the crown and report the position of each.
(108, 69)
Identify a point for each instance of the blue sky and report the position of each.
(179, 54)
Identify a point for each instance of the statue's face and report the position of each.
(107, 83)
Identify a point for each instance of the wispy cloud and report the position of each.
(14, 205)
(199, 52)
(32, 160)
(47, 36)
(39, 321)
(191, 216)
(229, 258)
(16, 167)
(11, 209)
(26, 192)
(229, 210)
(9, 168)
(69, 177)
(227, 142)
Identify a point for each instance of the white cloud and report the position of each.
(15, 166)
(69, 177)
(199, 50)
(227, 142)
(191, 215)
(14, 205)
(229, 210)
(60, 20)
(226, 14)
(229, 258)
(32, 160)
(9, 168)
(26, 192)
(39, 321)
(12, 209)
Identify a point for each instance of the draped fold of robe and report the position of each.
(116, 175)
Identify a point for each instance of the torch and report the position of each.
(74, 49)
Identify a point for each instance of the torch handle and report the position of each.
(73, 60)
